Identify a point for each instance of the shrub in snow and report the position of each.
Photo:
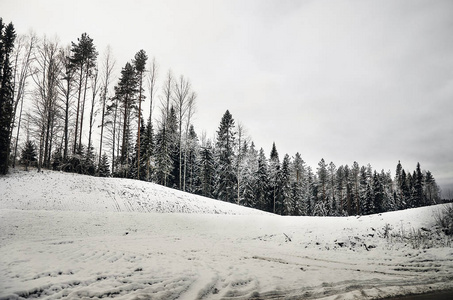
(444, 219)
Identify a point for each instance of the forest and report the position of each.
(64, 108)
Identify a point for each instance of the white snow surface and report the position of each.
(79, 237)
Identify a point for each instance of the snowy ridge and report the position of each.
(73, 192)
(52, 249)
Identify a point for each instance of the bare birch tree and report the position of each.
(190, 112)
(46, 77)
(23, 56)
(107, 70)
(182, 90)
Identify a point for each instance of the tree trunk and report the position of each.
(83, 105)
(78, 109)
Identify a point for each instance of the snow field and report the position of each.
(90, 252)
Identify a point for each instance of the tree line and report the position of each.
(62, 108)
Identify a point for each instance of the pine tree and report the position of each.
(226, 180)
(7, 37)
(139, 63)
(28, 154)
(126, 91)
(83, 59)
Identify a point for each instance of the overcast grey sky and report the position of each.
(365, 81)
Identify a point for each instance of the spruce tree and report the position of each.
(287, 201)
(140, 64)
(28, 154)
(226, 180)
(248, 181)
(207, 172)
(147, 151)
(299, 186)
(322, 205)
(7, 37)
(104, 167)
(418, 186)
(274, 174)
(378, 194)
(262, 184)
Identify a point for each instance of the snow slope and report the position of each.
(52, 247)
(73, 192)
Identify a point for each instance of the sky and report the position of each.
(365, 81)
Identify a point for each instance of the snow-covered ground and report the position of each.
(72, 236)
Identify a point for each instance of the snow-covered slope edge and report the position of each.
(73, 192)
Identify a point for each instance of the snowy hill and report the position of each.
(77, 237)
(73, 192)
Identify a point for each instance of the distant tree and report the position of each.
(418, 186)
(262, 184)
(431, 189)
(191, 161)
(341, 180)
(28, 154)
(299, 186)
(239, 163)
(287, 201)
(322, 205)
(331, 175)
(364, 185)
(355, 182)
(207, 171)
(248, 174)
(378, 194)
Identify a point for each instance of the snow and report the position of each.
(72, 236)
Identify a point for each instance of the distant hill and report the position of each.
(51, 190)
